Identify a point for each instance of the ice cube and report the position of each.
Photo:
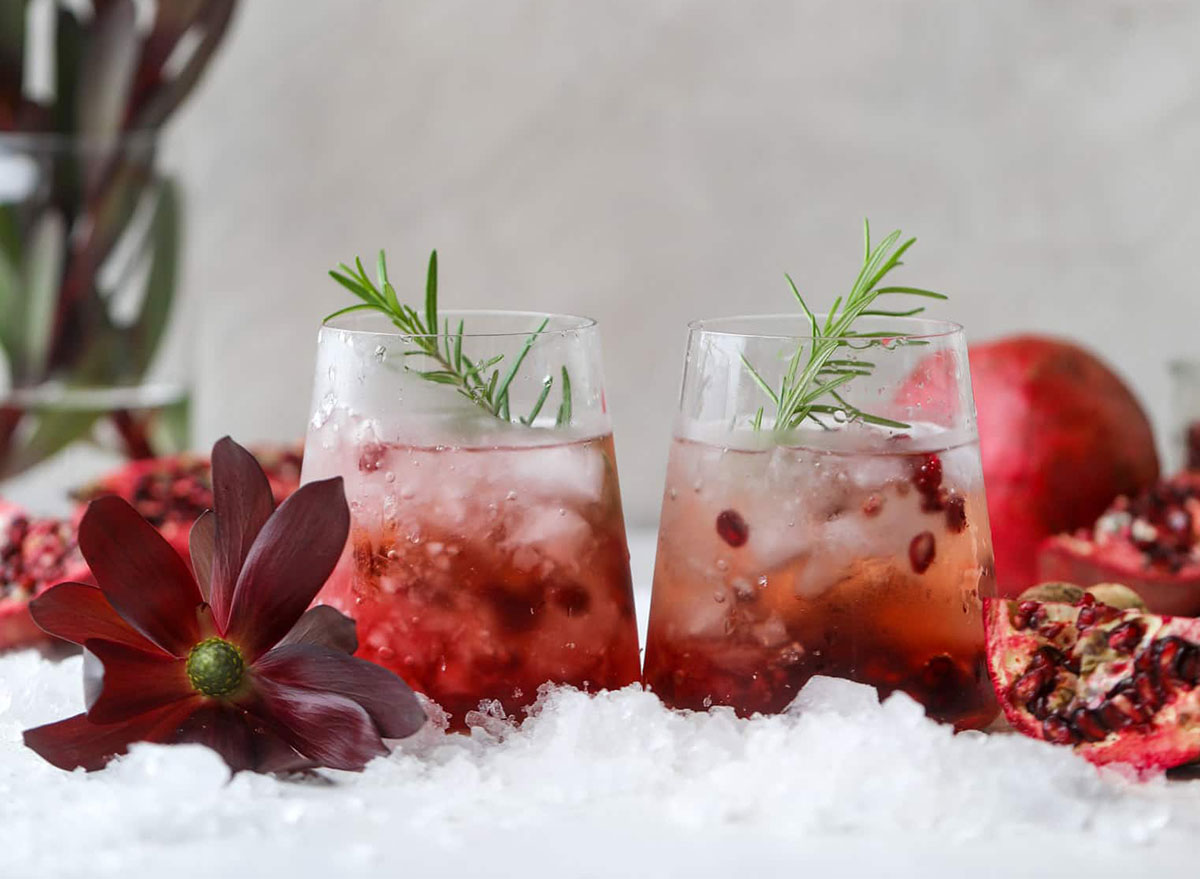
(827, 695)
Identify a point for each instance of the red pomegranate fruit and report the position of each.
(35, 554)
(172, 492)
(1119, 686)
(1060, 436)
(1150, 542)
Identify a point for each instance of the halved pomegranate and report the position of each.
(1150, 542)
(35, 553)
(172, 492)
(1120, 686)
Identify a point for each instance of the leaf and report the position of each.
(44, 259)
(431, 308)
(547, 383)
(157, 102)
(362, 306)
(759, 380)
(106, 75)
(564, 408)
(502, 392)
(146, 333)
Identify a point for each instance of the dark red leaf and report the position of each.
(135, 682)
(201, 546)
(142, 576)
(332, 730)
(386, 697)
(290, 561)
(243, 502)
(77, 612)
(77, 742)
(325, 627)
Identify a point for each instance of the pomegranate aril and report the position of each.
(1146, 692)
(921, 550)
(928, 475)
(1058, 731)
(1125, 637)
(732, 528)
(1088, 725)
(956, 514)
(1113, 717)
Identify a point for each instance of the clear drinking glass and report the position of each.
(486, 556)
(835, 546)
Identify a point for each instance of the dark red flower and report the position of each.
(225, 655)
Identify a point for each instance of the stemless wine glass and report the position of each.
(487, 552)
(848, 539)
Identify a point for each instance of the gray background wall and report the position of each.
(651, 161)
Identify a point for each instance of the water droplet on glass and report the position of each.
(511, 496)
(719, 597)
(672, 494)
(722, 565)
(840, 416)
(380, 353)
(389, 476)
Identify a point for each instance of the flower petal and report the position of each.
(77, 612)
(201, 540)
(290, 561)
(325, 627)
(77, 742)
(135, 682)
(142, 576)
(332, 730)
(243, 502)
(386, 697)
(224, 729)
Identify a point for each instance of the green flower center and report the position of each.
(215, 667)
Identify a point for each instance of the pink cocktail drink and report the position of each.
(487, 553)
(482, 573)
(778, 564)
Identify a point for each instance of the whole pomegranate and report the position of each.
(1061, 436)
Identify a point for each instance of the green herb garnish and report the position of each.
(481, 382)
(809, 384)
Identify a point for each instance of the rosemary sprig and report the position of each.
(809, 388)
(480, 381)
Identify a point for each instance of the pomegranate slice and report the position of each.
(1120, 686)
(35, 554)
(1150, 542)
(172, 492)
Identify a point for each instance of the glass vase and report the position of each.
(92, 357)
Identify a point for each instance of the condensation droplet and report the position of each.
(380, 353)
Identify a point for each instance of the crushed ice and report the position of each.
(838, 762)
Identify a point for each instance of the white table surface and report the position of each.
(762, 797)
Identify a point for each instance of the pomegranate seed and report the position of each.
(1058, 731)
(921, 551)
(928, 475)
(1167, 652)
(1113, 717)
(1188, 666)
(956, 514)
(1126, 637)
(1147, 693)
(733, 528)
(1088, 724)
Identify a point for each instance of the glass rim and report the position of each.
(65, 141)
(576, 323)
(936, 328)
